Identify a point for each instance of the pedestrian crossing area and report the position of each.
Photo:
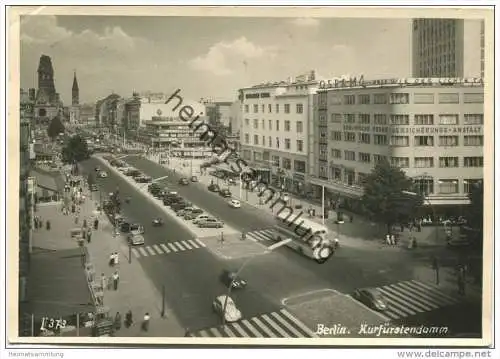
(167, 248)
(412, 297)
(260, 235)
(280, 324)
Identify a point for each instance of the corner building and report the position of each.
(431, 128)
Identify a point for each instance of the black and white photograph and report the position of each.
(276, 176)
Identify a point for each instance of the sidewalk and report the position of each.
(135, 291)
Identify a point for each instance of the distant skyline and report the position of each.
(206, 57)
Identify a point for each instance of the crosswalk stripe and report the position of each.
(250, 327)
(274, 325)
(288, 326)
(150, 251)
(136, 254)
(228, 331)
(262, 326)
(186, 244)
(215, 332)
(179, 246)
(199, 242)
(397, 302)
(193, 243)
(411, 300)
(436, 292)
(143, 252)
(240, 330)
(424, 297)
(157, 249)
(165, 248)
(298, 323)
(204, 333)
(172, 247)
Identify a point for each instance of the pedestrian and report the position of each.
(84, 224)
(116, 258)
(47, 225)
(104, 281)
(111, 259)
(145, 322)
(116, 278)
(187, 333)
(118, 321)
(89, 236)
(402, 227)
(393, 240)
(388, 239)
(76, 219)
(96, 224)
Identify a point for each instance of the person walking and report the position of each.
(118, 321)
(145, 322)
(104, 281)
(128, 319)
(112, 259)
(116, 256)
(96, 224)
(116, 279)
(89, 235)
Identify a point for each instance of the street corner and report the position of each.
(233, 247)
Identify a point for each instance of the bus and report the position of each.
(307, 237)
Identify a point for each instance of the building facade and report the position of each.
(447, 48)
(47, 102)
(274, 131)
(74, 110)
(431, 128)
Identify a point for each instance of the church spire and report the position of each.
(75, 92)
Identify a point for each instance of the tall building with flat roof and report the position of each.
(448, 48)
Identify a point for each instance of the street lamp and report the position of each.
(238, 272)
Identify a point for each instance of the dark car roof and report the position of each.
(373, 291)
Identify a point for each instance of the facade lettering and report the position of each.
(360, 82)
(414, 130)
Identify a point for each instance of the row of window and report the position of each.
(287, 145)
(401, 98)
(395, 119)
(404, 141)
(299, 108)
(276, 161)
(299, 127)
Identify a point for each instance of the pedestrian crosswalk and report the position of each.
(260, 235)
(167, 248)
(280, 324)
(412, 297)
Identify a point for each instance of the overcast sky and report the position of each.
(206, 57)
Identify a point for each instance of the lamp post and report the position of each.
(238, 272)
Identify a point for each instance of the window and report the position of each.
(379, 158)
(424, 140)
(299, 108)
(336, 153)
(275, 161)
(336, 135)
(448, 186)
(446, 141)
(263, 108)
(423, 98)
(364, 118)
(473, 161)
(424, 162)
(299, 126)
(449, 98)
(270, 123)
(350, 155)
(448, 162)
(287, 143)
(277, 142)
(400, 162)
(364, 99)
(362, 178)
(364, 138)
(255, 139)
(350, 136)
(335, 99)
(255, 124)
(473, 97)
(263, 140)
(400, 141)
(336, 173)
(380, 98)
(299, 166)
(269, 108)
(287, 108)
(287, 126)
(277, 108)
(448, 119)
(400, 119)
(399, 98)
(365, 157)
(336, 118)
(300, 146)
(349, 100)
(380, 139)
(380, 119)
(424, 185)
(473, 140)
(470, 183)
(349, 118)
(473, 119)
(247, 138)
(287, 164)
(246, 108)
(263, 124)
(425, 120)
(270, 141)
(255, 108)
(277, 125)
(247, 122)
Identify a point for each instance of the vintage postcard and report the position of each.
(250, 176)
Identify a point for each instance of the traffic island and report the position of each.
(233, 246)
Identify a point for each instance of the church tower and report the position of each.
(75, 92)
(47, 101)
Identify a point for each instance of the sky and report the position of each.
(206, 57)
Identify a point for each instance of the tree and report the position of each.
(384, 198)
(55, 127)
(75, 150)
(476, 210)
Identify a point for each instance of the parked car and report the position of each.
(225, 307)
(371, 297)
(193, 214)
(234, 203)
(131, 172)
(194, 179)
(213, 187)
(231, 181)
(229, 278)
(226, 193)
(135, 239)
(154, 189)
(200, 217)
(210, 223)
(178, 206)
(183, 181)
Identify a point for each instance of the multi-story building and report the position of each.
(448, 48)
(431, 128)
(274, 132)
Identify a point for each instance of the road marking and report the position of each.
(193, 243)
(204, 333)
(179, 246)
(165, 248)
(136, 254)
(172, 247)
(200, 242)
(228, 331)
(262, 326)
(186, 244)
(298, 323)
(286, 324)
(304, 294)
(157, 249)
(435, 291)
(151, 251)
(215, 332)
(393, 297)
(275, 326)
(143, 252)
(430, 304)
(240, 330)
(251, 328)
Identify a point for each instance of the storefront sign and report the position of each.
(415, 129)
(360, 82)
